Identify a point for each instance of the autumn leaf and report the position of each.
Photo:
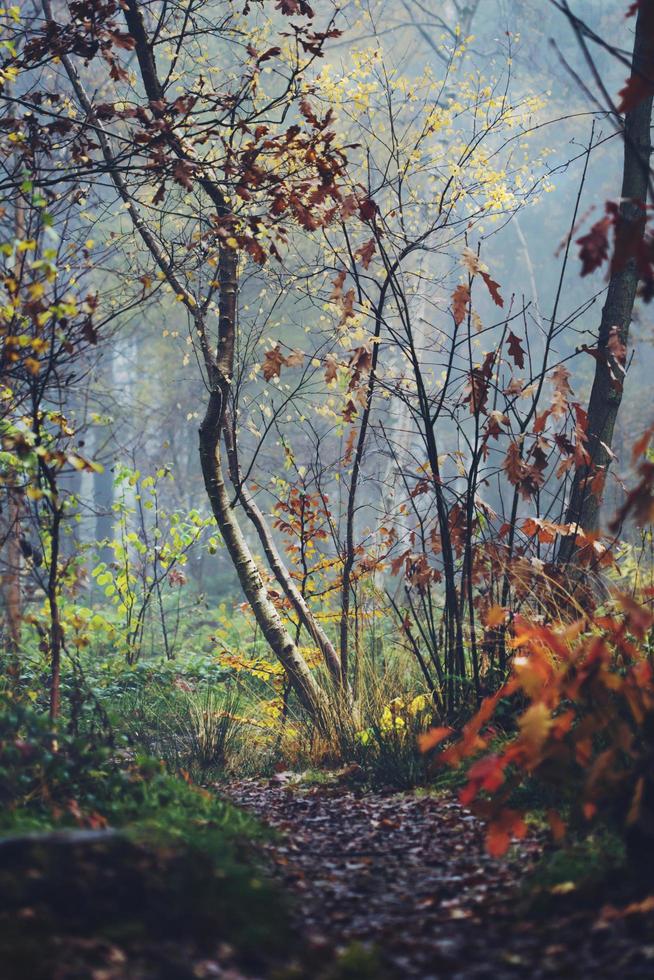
(513, 464)
(616, 345)
(640, 445)
(337, 283)
(350, 411)
(557, 825)
(495, 616)
(293, 8)
(471, 261)
(460, 300)
(594, 247)
(636, 89)
(294, 359)
(331, 368)
(347, 307)
(121, 40)
(272, 363)
(349, 446)
(183, 173)
(432, 738)
(493, 288)
(365, 253)
(367, 209)
(475, 267)
(541, 421)
(516, 350)
(535, 725)
(508, 825)
(562, 390)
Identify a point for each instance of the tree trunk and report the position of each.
(56, 633)
(606, 393)
(249, 576)
(275, 561)
(11, 587)
(103, 483)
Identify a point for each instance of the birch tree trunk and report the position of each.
(269, 620)
(275, 561)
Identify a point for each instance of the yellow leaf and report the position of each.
(418, 704)
(535, 725)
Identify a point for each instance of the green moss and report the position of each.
(180, 862)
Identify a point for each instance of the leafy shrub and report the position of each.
(49, 777)
(585, 730)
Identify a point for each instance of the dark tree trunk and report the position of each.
(606, 393)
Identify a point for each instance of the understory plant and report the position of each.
(582, 699)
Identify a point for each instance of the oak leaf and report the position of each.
(272, 363)
(516, 350)
(460, 300)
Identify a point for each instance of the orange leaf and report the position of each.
(495, 616)
(432, 738)
(507, 825)
(493, 288)
(557, 825)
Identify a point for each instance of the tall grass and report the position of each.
(191, 730)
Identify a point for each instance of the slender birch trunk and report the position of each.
(269, 620)
(275, 561)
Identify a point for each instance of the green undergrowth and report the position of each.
(145, 857)
(583, 871)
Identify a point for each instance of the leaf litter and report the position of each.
(408, 876)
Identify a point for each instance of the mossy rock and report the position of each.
(61, 887)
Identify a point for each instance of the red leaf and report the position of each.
(641, 444)
(635, 91)
(365, 253)
(493, 288)
(183, 172)
(509, 824)
(292, 8)
(495, 616)
(272, 363)
(367, 209)
(516, 350)
(460, 300)
(594, 247)
(331, 368)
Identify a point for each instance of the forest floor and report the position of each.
(406, 877)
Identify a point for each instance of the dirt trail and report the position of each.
(410, 875)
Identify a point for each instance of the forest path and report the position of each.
(409, 875)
